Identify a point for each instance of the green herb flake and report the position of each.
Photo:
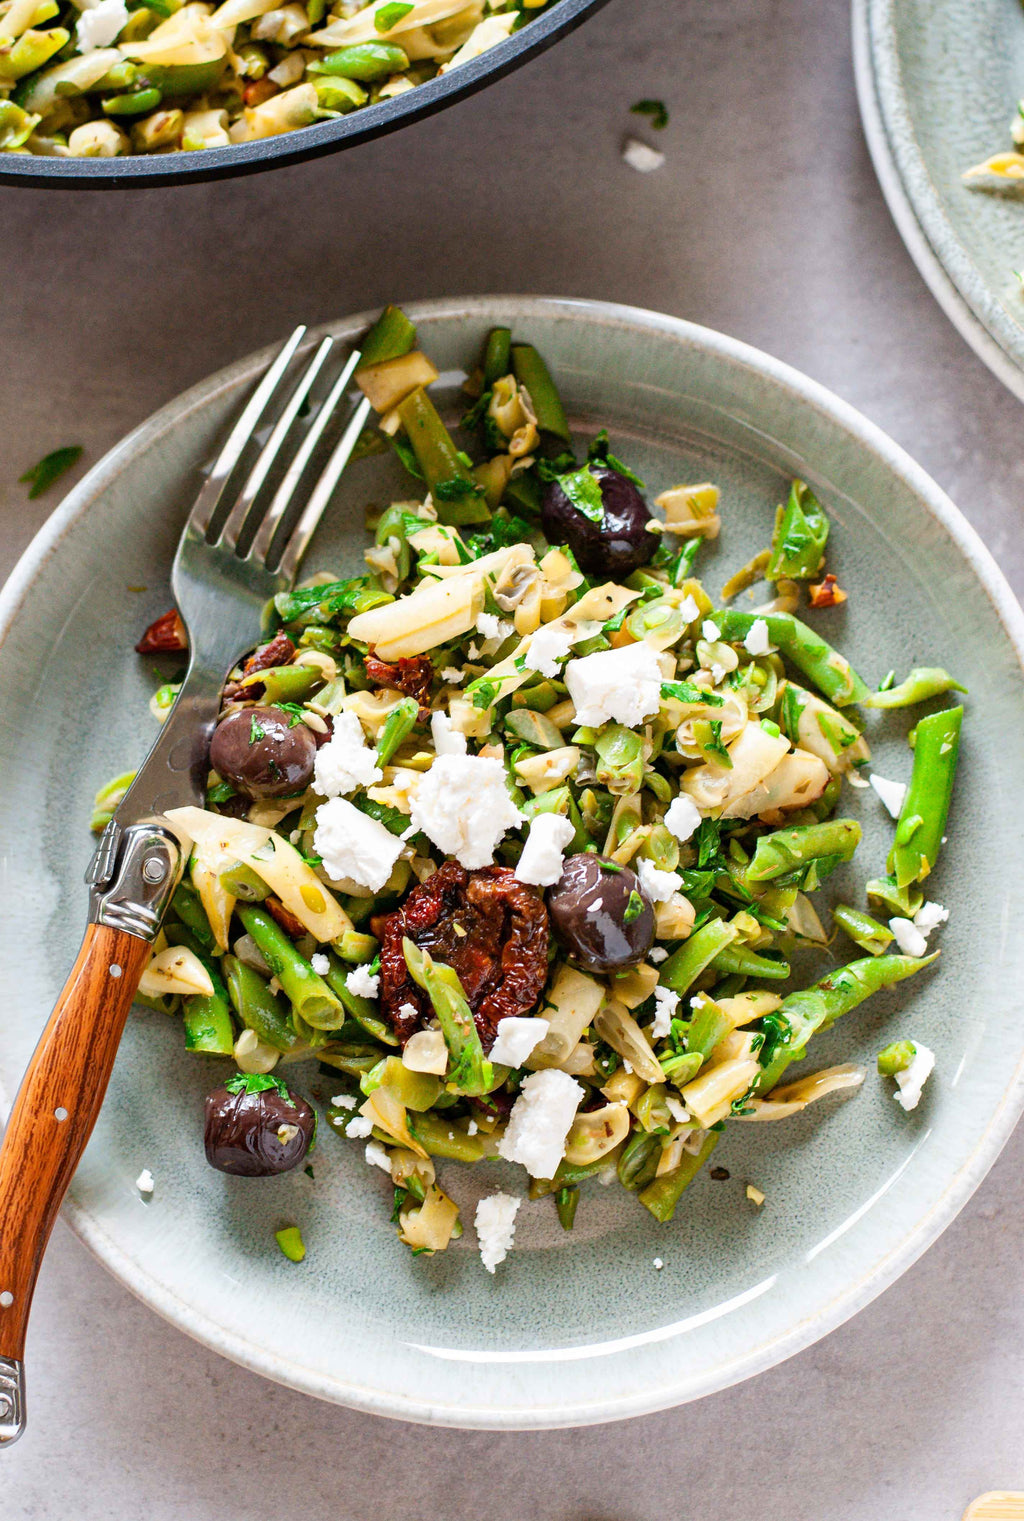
(294, 709)
(291, 1243)
(256, 731)
(41, 477)
(634, 908)
(655, 110)
(257, 1082)
(389, 16)
(584, 492)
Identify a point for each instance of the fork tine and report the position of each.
(235, 523)
(212, 489)
(261, 544)
(321, 494)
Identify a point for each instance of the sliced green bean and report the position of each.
(355, 947)
(455, 495)
(368, 61)
(922, 820)
(639, 1160)
(695, 955)
(189, 909)
(258, 1008)
(620, 759)
(800, 536)
(399, 723)
(470, 1072)
(739, 960)
(531, 371)
(444, 1138)
(497, 355)
(311, 998)
(560, 800)
(361, 1009)
(787, 850)
(242, 882)
(392, 335)
(862, 929)
(896, 1057)
(922, 683)
(663, 1194)
(566, 1200)
(903, 902)
(707, 1027)
(830, 672)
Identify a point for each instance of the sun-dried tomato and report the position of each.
(490, 927)
(260, 90)
(412, 676)
(165, 634)
(826, 593)
(278, 652)
(293, 927)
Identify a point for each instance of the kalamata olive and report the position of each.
(618, 544)
(601, 914)
(264, 752)
(255, 1127)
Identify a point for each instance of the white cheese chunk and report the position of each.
(757, 641)
(321, 964)
(929, 916)
(463, 807)
(710, 631)
(548, 647)
(658, 885)
(447, 741)
(493, 627)
(623, 685)
(891, 793)
(688, 609)
(99, 25)
(516, 1040)
(346, 761)
(495, 1222)
(657, 953)
(352, 845)
(360, 982)
(376, 1156)
(543, 854)
(666, 1003)
(343, 1101)
(909, 939)
(144, 1182)
(913, 1078)
(541, 1118)
(641, 156)
(359, 1127)
(682, 817)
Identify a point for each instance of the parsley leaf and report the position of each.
(634, 908)
(584, 492)
(256, 731)
(404, 449)
(709, 845)
(256, 1082)
(294, 709)
(455, 489)
(49, 469)
(390, 15)
(600, 454)
(687, 691)
(655, 109)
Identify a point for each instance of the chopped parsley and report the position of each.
(40, 477)
(256, 1082)
(634, 908)
(584, 492)
(600, 454)
(687, 691)
(655, 110)
(256, 731)
(454, 489)
(295, 711)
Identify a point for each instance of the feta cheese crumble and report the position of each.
(472, 1128)
(641, 156)
(354, 846)
(493, 627)
(909, 939)
(362, 982)
(99, 25)
(463, 808)
(343, 1101)
(710, 631)
(144, 1182)
(757, 641)
(623, 685)
(541, 1119)
(541, 861)
(929, 916)
(665, 1005)
(913, 1078)
(359, 1127)
(447, 740)
(658, 1264)
(548, 647)
(658, 885)
(376, 1156)
(891, 793)
(408, 1011)
(346, 761)
(517, 1038)
(453, 675)
(495, 1223)
(682, 817)
(321, 964)
(657, 954)
(688, 609)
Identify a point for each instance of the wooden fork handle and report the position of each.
(54, 1114)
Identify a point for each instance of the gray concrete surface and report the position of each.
(767, 223)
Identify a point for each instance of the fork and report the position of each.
(224, 572)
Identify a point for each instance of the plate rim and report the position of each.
(846, 1301)
(921, 222)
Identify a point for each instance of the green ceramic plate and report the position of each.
(582, 1327)
(938, 82)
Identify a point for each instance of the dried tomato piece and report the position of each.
(293, 927)
(826, 593)
(165, 634)
(412, 676)
(490, 927)
(278, 652)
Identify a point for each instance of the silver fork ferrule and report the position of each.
(133, 876)
(12, 1400)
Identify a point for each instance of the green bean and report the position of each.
(258, 1008)
(896, 1057)
(189, 909)
(32, 50)
(800, 536)
(922, 820)
(361, 1009)
(740, 961)
(567, 1173)
(922, 683)
(819, 1006)
(787, 850)
(311, 998)
(661, 847)
(566, 1200)
(164, 1003)
(531, 372)
(356, 947)
(534, 729)
(206, 1016)
(339, 94)
(862, 929)
(639, 1160)
(392, 335)
(109, 798)
(399, 723)
(369, 61)
(560, 800)
(497, 355)
(831, 672)
(242, 882)
(662, 1196)
(695, 955)
(707, 1027)
(620, 759)
(454, 494)
(287, 683)
(289, 1239)
(903, 902)
(319, 604)
(747, 575)
(16, 127)
(135, 103)
(443, 1138)
(681, 1069)
(470, 1072)
(418, 1091)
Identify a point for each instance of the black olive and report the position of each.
(601, 914)
(264, 752)
(255, 1127)
(618, 544)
